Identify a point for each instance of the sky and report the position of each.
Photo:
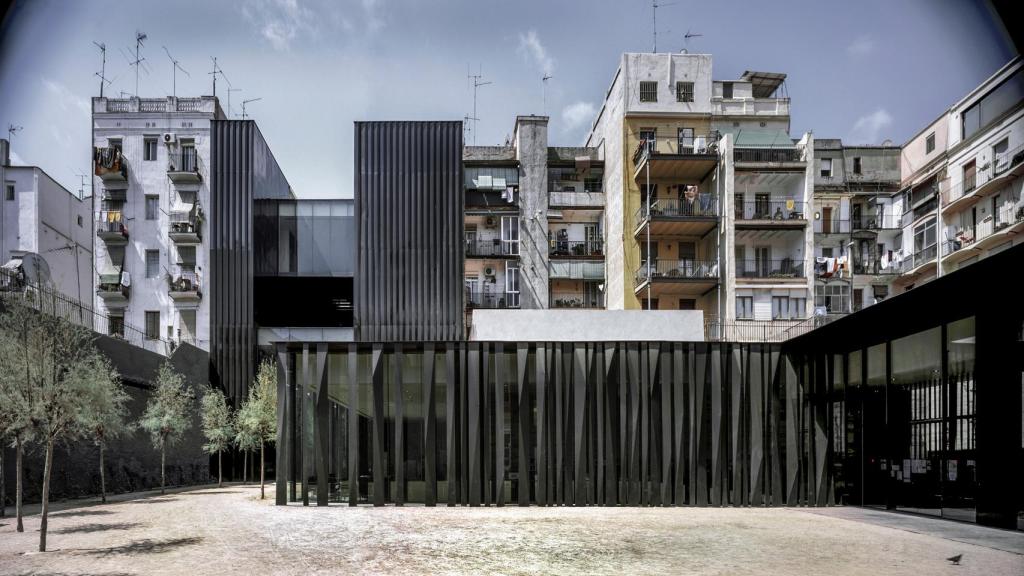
(862, 71)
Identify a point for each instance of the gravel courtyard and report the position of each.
(229, 531)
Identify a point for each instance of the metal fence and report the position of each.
(770, 155)
(778, 210)
(577, 248)
(677, 269)
(756, 268)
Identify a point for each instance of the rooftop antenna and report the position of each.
(476, 84)
(544, 92)
(686, 39)
(467, 128)
(140, 37)
(175, 66)
(216, 71)
(81, 184)
(230, 90)
(654, 19)
(103, 67)
(244, 102)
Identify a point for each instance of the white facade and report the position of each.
(160, 206)
(38, 215)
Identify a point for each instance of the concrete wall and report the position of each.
(531, 143)
(586, 325)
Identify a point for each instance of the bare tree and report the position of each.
(218, 427)
(105, 414)
(167, 414)
(258, 415)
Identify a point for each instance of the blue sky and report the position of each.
(864, 71)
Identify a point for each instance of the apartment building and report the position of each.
(534, 222)
(708, 196)
(856, 224)
(961, 184)
(40, 218)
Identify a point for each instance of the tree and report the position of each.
(167, 414)
(105, 414)
(246, 439)
(258, 414)
(218, 427)
(16, 369)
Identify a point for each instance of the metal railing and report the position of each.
(767, 155)
(183, 222)
(716, 330)
(48, 300)
(111, 222)
(918, 258)
(112, 283)
(832, 226)
(582, 248)
(1005, 216)
(562, 301)
(1001, 163)
(496, 247)
(875, 222)
(491, 300)
(701, 206)
(576, 269)
(776, 210)
(593, 199)
(184, 160)
(698, 144)
(184, 280)
(677, 270)
(783, 268)
(874, 267)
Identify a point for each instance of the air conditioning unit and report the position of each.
(170, 138)
(488, 271)
(490, 222)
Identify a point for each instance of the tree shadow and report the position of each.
(70, 574)
(146, 546)
(204, 493)
(150, 500)
(87, 528)
(81, 512)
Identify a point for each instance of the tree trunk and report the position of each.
(18, 482)
(103, 478)
(245, 466)
(262, 495)
(47, 471)
(3, 485)
(220, 470)
(163, 478)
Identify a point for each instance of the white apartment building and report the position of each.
(39, 216)
(962, 181)
(152, 162)
(708, 196)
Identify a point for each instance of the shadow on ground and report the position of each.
(87, 528)
(80, 512)
(150, 500)
(146, 546)
(69, 574)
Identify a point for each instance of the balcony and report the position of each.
(183, 167)
(491, 300)
(185, 286)
(774, 214)
(677, 277)
(992, 178)
(568, 199)
(774, 156)
(111, 289)
(920, 262)
(831, 226)
(873, 267)
(591, 269)
(576, 249)
(749, 330)
(883, 222)
(109, 164)
(682, 160)
(786, 269)
(495, 248)
(577, 300)
(991, 231)
(110, 227)
(686, 217)
(750, 106)
(185, 227)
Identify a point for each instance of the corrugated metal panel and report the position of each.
(409, 202)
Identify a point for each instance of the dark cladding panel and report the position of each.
(409, 202)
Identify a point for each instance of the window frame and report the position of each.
(822, 168)
(857, 165)
(146, 142)
(929, 143)
(648, 90)
(684, 91)
(151, 325)
(151, 200)
(146, 256)
(9, 192)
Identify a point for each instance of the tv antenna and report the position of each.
(686, 39)
(467, 128)
(81, 184)
(216, 71)
(476, 84)
(175, 66)
(140, 37)
(244, 102)
(654, 19)
(230, 90)
(544, 92)
(103, 67)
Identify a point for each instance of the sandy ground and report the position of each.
(229, 531)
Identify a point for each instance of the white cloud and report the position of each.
(66, 99)
(868, 128)
(280, 21)
(577, 114)
(861, 46)
(60, 136)
(530, 47)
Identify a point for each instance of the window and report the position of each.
(970, 176)
(835, 298)
(856, 164)
(826, 167)
(115, 326)
(152, 263)
(649, 135)
(684, 91)
(189, 160)
(744, 307)
(929, 143)
(152, 207)
(685, 137)
(726, 89)
(826, 252)
(79, 221)
(687, 304)
(149, 148)
(1000, 160)
(648, 91)
(924, 241)
(152, 324)
(993, 105)
(10, 192)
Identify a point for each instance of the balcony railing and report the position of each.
(874, 268)
(576, 269)
(774, 210)
(110, 225)
(576, 248)
(768, 155)
(832, 226)
(677, 270)
(883, 222)
(184, 165)
(698, 145)
(919, 258)
(573, 199)
(784, 268)
(184, 225)
(110, 286)
(577, 300)
(1001, 163)
(185, 282)
(496, 248)
(701, 206)
(740, 330)
(492, 300)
